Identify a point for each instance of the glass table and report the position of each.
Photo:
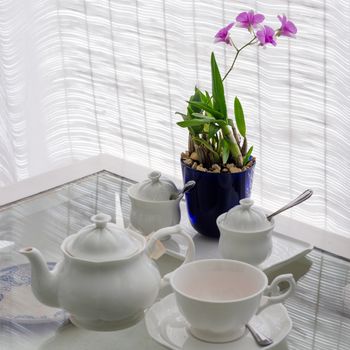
(320, 308)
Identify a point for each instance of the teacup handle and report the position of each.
(274, 290)
(164, 232)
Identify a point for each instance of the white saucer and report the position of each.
(167, 326)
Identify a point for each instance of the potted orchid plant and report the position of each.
(219, 157)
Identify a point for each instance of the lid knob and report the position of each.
(246, 203)
(101, 220)
(154, 176)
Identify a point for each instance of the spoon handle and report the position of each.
(259, 337)
(187, 187)
(301, 198)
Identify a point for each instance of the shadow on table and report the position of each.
(298, 268)
(71, 337)
(281, 346)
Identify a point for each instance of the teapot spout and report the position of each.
(44, 282)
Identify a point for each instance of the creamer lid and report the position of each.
(155, 188)
(246, 218)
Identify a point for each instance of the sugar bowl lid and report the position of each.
(246, 218)
(155, 188)
(102, 241)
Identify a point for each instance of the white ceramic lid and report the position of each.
(155, 188)
(102, 241)
(246, 218)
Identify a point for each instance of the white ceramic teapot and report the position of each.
(245, 233)
(106, 279)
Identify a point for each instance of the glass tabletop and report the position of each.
(320, 308)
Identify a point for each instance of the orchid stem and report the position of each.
(233, 44)
(232, 65)
(237, 53)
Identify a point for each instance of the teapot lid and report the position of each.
(102, 241)
(246, 218)
(155, 188)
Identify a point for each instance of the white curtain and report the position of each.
(84, 77)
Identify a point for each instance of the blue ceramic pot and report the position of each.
(214, 194)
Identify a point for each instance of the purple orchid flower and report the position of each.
(223, 34)
(266, 35)
(288, 28)
(249, 20)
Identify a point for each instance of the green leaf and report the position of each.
(193, 122)
(225, 151)
(189, 110)
(201, 121)
(217, 88)
(208, 95)
(247, 156)
(195, 98)
(209, 99)
(213, 129)
(202, 116)
(202, 96)
(219, 143)
(184, 116)
(240, 117)
(205, 107)
(219, 122)
(193, 130)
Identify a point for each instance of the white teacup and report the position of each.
(218, 297)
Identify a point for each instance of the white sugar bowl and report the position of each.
(152, 206)
(245, 233)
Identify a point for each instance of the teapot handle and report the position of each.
(164, 232)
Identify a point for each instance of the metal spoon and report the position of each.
(260, 338)
(303, 197)
(187, 186)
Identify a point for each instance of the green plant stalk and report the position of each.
(190, 144)
(236, 135)
(234, 130)
(244, 147)
(210, 146)
(234, 148)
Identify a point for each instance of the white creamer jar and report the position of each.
(245, 233)
(151, 205)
